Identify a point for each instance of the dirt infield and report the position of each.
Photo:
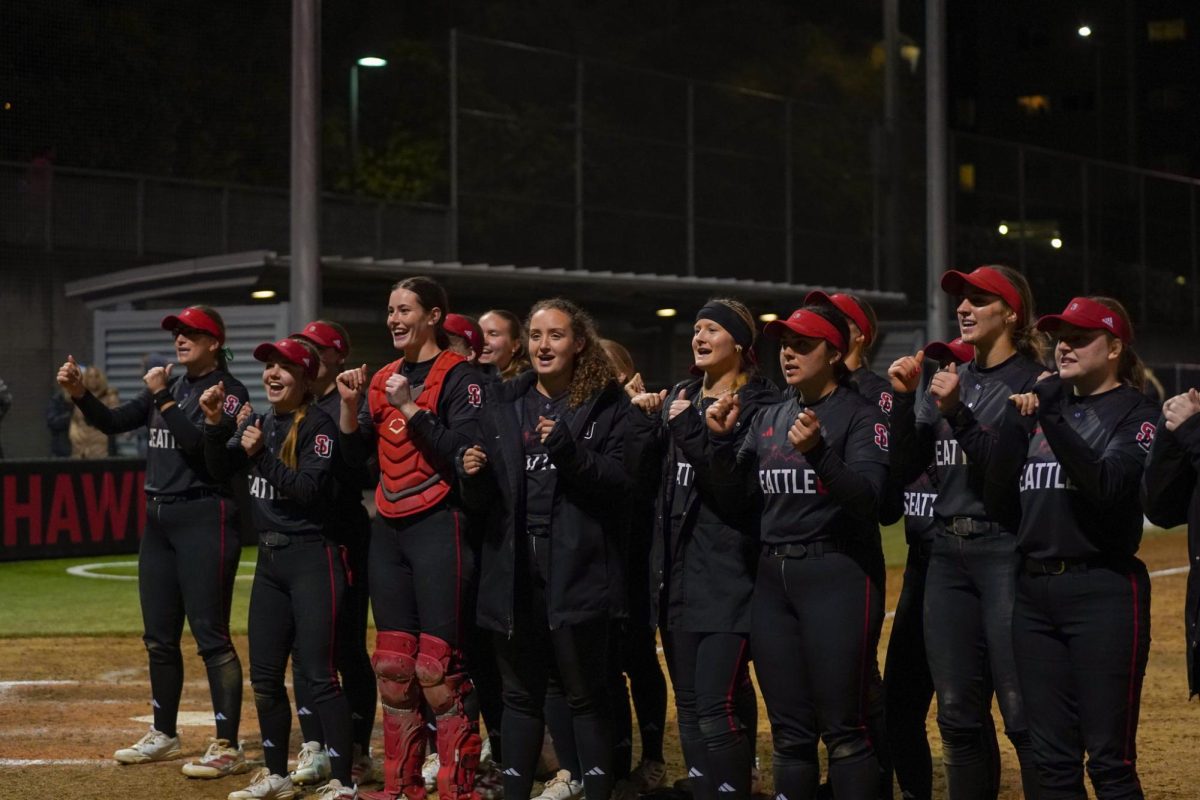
(67, 703)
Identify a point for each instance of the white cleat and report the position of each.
(265, 786)
(154, 746)
(312, 765)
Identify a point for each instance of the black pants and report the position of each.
(422, 572)
(353, 661)
(636, 656)
(294, 607)
(580, 654)
(815, 631)
(908, 686)
(1082, 639)
(969, 596)
(707, 672)
(186, 565)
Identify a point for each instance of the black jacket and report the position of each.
(701, 568)
(1171, 496)
(588, 518)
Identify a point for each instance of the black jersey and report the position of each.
(875, 388)
(540, 473)
(830, 493)
(352, 478)
(961, 447)
(284, 499)
(682, 475)
(919, 522)
(175, 455)
(1082, 472)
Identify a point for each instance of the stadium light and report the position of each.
(263, 294)
(768, 317)
(365, 61)
(1056, 243)
(1084, 31)
(666, 312)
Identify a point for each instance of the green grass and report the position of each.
(40, 598)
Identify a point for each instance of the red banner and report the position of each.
(65, 507)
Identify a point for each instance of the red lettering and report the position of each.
(30, 510)
(108, 508)
(64, 512)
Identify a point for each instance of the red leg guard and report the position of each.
(439, 669)
(403, 728)
(458, 745)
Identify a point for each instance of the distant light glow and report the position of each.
(768, 317)
(263, 294)
(7, 106)
(1056, 243)
(1180, 280)
(1003, 229)
(372, 61)
(1085, 31)
(666, 312)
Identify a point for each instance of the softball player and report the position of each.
(1081, 625)
(424, 410)
(863, 324)
(1171, 495)
(971, 581)
(189, 551)
(352, 530)
(550, 470)
(908, 686)
(703, 556)
(816, 463)
(300, 579)
(503, 352)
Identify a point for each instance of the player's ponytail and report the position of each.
(287, 450)
(1026, 338)
(1130, 369)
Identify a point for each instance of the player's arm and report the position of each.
(309, 482)
(1171, 473)
(442, 436)
(1106, 478)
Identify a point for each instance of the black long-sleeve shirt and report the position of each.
(961, 447)
(830, 493)
(1082, 472)
(284, 499)
(175, 456)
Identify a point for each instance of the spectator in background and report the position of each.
(86, 441)
(6, 401)
(59, 409)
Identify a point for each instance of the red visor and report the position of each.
(954, 351)
(1089, 315)
(985, 279)
(288, 351)
(806, 323)
(323, 335)
(459, 325)
(845, 304)
(196, 319)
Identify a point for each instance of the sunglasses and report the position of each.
(190, 333)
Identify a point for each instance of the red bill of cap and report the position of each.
(1089, 315)
(985, 279)
(461, 326)
(845, 304)
(806, 323)
(193, 317)
(323, 335)
(955, 350)
(288, 351)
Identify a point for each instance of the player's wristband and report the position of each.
(162, 397)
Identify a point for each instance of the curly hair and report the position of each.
(593, 371)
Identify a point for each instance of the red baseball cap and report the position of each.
(1089, 315)
(806, 323)
(288, 351)
(985, 279)
(467, 328)
(323, 335)
(196, 319)
(954, 351)
(845, 304)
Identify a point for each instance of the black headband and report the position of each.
(728, 319)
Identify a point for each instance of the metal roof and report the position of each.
(247, 268)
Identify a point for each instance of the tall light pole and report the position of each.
(369, 62)
(305, 275)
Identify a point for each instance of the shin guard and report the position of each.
(439, 669)
(403, 728)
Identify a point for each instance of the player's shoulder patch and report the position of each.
(1145, 435)
(323, 445)
(232, 404)
(475, 394)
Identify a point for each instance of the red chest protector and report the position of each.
(408, 484)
